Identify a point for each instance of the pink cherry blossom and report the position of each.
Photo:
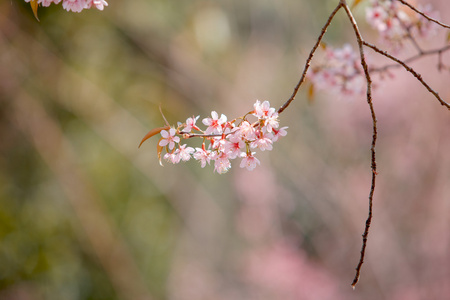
(263, 109)
(215, 123)
(184, 152)
(190, 124)
(246, 131)
(279, 133)
(340, 73)
(99, 4)
(395, 26)
(234, 145)
(221, 163)
(376, 16)
(249, 161)
(202, 155)
(169, 138)
(271, 122)
(46, 3)
(219, 143)
(172, 157)
(74, 5)
(227, 141)
(264, 142)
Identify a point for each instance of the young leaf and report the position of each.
(311, 93)
(152, 133)
(34, 7)
(159, 149)
(355, 3)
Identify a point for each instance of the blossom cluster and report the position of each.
(340, 72)
(75, 5)
(224, 140)
(395, 23)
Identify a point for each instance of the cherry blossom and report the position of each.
(185, 152)
(263, 109)
(234, 145)
(279, 133)
(75, 5)
(227, 140)
(99, 4)
(395, 25)
(264, 142)
(215, 123)
(221, 163)
(190, 124)
(246, 131)
(339, 73)
(46, 3)
(172, 157)
(169, 138)
(376, 16)
(249, 161)
(202, 155)
(271, 122)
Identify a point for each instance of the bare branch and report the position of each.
(374, 139)
(423, 14)
(409, 69)
(310, 57)
(414, 58)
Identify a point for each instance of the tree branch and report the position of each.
(413, 58)
(374, 139)
(310, 57)
(423, 14)
(409, 69)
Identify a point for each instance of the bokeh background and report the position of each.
(85, 214)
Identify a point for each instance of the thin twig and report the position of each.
(413, 58)
(413, 41)
(308, 60)
(374, 139)
(423, 14)
(409, 69)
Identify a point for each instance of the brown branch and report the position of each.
(413, 41)
(374, 139)
(423, 14)
(413, 58)
(310, 57)
(409, 69)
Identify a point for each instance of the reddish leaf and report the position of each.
(311, 93)
(34, 7)
(159, 149)
(152, 133)
(355, 3)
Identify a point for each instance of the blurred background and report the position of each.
(85, 214)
